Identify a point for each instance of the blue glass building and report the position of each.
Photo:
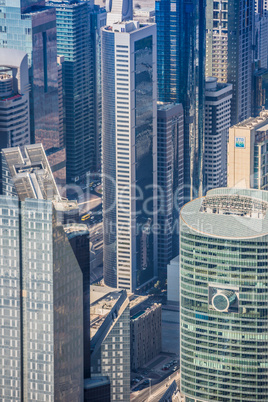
(74, 43)
(31, 27)
(181, 76)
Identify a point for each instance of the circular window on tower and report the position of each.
(223, 300)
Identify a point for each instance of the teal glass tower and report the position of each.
(224, 293)
(181, 76)
(74, 43)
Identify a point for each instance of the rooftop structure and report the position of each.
(31, 175)
(225, 213)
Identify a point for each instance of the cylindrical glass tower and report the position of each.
(224, 296)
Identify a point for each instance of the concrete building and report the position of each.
(129, 128)
(119, 10)
(248, 153)
(173, 281)
(110, 342)
(14, 102)
(145, 332)
(41, 288)
(224, 339)
(144, 15)
(30, 26)
(229, 55)
(217, 122)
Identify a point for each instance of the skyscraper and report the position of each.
(14, 102)
(170, 179)
(223, 262)
(31, 27)
(181, 76)
(229, 50)
(217, 122)
(41, 290)
(129, 154)
(74, 43)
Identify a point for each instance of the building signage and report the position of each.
(240, 142)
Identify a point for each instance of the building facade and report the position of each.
(42, 322)
(145, 334)
(29, 26)
(74, 43)
(170, 180)
(248, 153)
(78, 236)
(181, 76)
(119, 10)
(217, 122)
(110, 342)
(129, 128)
(223, 282)
(229, 50)
(14, 103)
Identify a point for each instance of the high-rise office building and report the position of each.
(110, 342)
(14, 101)
(260, 40)
(129, 126)
(98, 18)
(31, 27)
(181, 76)
(41, 288)
(74, 43)
(248, 153)
(261, 7)
(229, 50)
(78, 236)
(223, 321)
(119, 10)
(217, 122)
(170, 180)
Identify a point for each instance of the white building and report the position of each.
(119, 10)
(129, 129)
(217, 122)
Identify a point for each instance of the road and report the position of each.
(157, 390)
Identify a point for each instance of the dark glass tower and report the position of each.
(181, 76)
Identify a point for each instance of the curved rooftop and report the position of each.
(228, 213)
(12, 57)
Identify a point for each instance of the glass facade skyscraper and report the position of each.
(181, 76)
(129, 154)
(229, 50)
(33, 30)
(224, 291)
(74, 43)
(41, 306)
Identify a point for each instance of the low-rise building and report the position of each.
(145, 331)
(110, 342)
